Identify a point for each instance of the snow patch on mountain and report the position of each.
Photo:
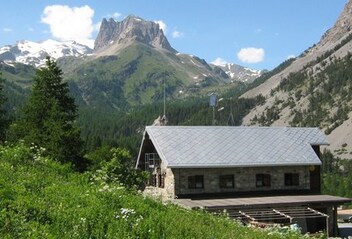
(34, 53)
(240, 73)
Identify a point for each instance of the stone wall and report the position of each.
(165, 193)
(244, 179)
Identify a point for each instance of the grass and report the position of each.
(40, 198)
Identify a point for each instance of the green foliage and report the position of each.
(337, 176)
(48, 117)
(96, 158)
(327, 89)
(117, 166)
(268, 116)
(124, 129)
(41, 198)
(3, 121)
(293, 81)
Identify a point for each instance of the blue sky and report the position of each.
(254, 33)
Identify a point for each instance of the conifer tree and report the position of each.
(48, 117)
(2, 111)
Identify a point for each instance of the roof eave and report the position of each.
(140, 149)
(243, 165)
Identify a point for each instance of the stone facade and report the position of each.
(244, 179)
(165, 193)
(176, 180)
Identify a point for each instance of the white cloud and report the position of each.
(116, 14)
(68, 23)
(290, 56)
(219, 62)
(162, 25)
(251, 55)
(7, 29)
(177, 34)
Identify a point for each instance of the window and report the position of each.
(156, 180)
(226, 181)
(161, 180)
(196, 182)
(263, 180)
(291, 179)
(152, 161)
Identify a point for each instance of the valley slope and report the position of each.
(313, 89)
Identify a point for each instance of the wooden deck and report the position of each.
(277, 210)
(255, 202)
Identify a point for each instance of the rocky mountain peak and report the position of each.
(342, 27)
(131, 29)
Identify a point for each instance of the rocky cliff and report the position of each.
(341, 28)
(131, 29)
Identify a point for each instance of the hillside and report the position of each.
(314, 89)
(41, 198)
(131, 64)
(16, 87)
(136, 75)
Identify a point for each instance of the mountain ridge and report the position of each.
(314, 89)
(34, 53)
(244, 74)
(331, 38)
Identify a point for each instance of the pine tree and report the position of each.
(48, 118)
(3, 122)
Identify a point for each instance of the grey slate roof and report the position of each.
(222, 146)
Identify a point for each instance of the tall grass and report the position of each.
(40, 198)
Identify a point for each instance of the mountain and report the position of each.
(131, 64)
(314, 89)
(33, 53)
(335, 37)
(132, 28)
(116, 37)
(240, 73)
(137, 74)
